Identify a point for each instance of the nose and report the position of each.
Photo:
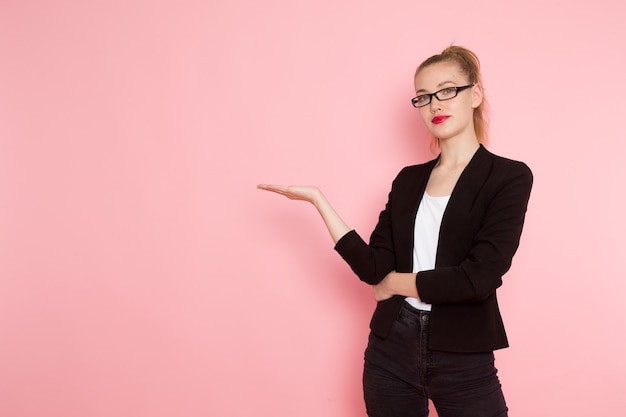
(435, 104)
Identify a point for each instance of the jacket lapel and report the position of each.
(410, 195)
(458, 211)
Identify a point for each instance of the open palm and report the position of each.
(294, 192)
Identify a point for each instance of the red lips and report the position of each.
(439, 119)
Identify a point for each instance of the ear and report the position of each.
(477, 95)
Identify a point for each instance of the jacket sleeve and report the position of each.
(478, 275)
(371, 263)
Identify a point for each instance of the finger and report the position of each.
(275, 188)
(280, 189)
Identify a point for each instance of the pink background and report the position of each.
(141, 272)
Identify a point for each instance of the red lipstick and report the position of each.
(439, 119)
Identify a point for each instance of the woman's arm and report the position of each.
(369, 262)
(335, 225)
(396, 283)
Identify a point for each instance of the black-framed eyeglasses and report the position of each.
(441, 95)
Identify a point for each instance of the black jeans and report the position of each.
(401, 374)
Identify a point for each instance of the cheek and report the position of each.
(464, 108)
(425, 114)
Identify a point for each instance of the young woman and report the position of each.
(437, 255)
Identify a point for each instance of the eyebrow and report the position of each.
(421, 90)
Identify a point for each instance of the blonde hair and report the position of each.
(470, 66)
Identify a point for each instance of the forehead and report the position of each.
(435, 76)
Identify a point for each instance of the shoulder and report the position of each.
(508, 177)
(507, 167)
(417, 170)
(413, 176)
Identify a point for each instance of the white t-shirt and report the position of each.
(426, 238)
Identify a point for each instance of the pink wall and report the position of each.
(141, 272)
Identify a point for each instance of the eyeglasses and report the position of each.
(443, 94)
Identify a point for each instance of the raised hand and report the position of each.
(295, 192)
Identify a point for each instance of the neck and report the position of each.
(457, 152)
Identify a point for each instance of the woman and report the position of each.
(437, 255)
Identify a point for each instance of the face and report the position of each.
(449, 118)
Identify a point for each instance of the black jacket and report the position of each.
(479, 235)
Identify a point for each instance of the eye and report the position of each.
(448, 91)
(422, 99)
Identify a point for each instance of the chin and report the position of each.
(441, 135)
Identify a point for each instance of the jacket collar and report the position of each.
(471, 179)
